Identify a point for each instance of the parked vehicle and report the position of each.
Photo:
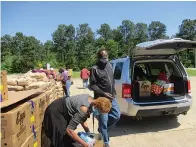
(148, 59)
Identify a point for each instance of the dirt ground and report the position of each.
(151, 132)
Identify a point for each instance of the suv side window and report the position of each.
(118, 70)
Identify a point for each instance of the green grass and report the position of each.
(191, 72)
(76, 74)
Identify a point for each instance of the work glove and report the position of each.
(108, 95)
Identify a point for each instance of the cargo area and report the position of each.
(147, 73)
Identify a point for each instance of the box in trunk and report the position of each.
(144, 88)
(14, 124)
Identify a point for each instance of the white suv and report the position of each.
(151, 57)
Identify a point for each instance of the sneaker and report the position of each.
(106, 145)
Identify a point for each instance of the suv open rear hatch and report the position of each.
(163, 47)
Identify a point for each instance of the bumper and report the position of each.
(162, 111)
(157, 109)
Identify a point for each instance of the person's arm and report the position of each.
(93, 82)
(85, 127)
(74, 122)
(84, 124)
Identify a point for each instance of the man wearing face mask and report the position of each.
(102, 83)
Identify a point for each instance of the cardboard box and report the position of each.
(41, 108)
(32, 114)
(34, 140)
(48, 93)
(3, 87)
(38, 131)
(144, 88)
(14, 126)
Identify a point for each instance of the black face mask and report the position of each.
(102, 61)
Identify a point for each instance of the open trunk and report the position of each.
(148, 70)
(153, 57)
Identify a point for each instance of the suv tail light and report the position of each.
(126, 91)
(189, 87)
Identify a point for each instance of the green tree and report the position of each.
(141, 32)
(112, 48)
(85, 46)
(6, 47)
(48, 47)
(127, 30)
(156, 30)
(187, 30)
(64, 43)
(105, 31)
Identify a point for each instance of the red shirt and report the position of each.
(84, 74)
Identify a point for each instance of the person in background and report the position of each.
(84, 75)
(63, 116)
(102, 83)
(68, 84)
(52, 73)
(63, 78)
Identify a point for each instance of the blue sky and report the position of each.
(41, 19)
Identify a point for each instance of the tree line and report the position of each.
(76, 48)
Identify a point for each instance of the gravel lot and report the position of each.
(151, 132)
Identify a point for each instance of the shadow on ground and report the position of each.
(80, 88)
(127, 125)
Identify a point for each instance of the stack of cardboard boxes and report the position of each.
(21, 123)
(3, 87)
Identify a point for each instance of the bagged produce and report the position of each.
(37, 75)
(15, 88)
(23, 82)
(35, 85)
(156, 89)
(11, 82)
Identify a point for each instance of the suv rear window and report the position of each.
(118, 70)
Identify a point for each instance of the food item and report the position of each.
(168, 88)
(11, 82)
(23, 82)
(144, 88)
(156, 89)
(15, 88)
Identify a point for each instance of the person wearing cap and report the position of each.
(52, 73)
(102, 83)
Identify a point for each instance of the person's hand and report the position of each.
(108, 95)
(91, 144)
(86, 145)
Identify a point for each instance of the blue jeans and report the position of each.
(68, 85)
(85, 83)
(107, 121)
